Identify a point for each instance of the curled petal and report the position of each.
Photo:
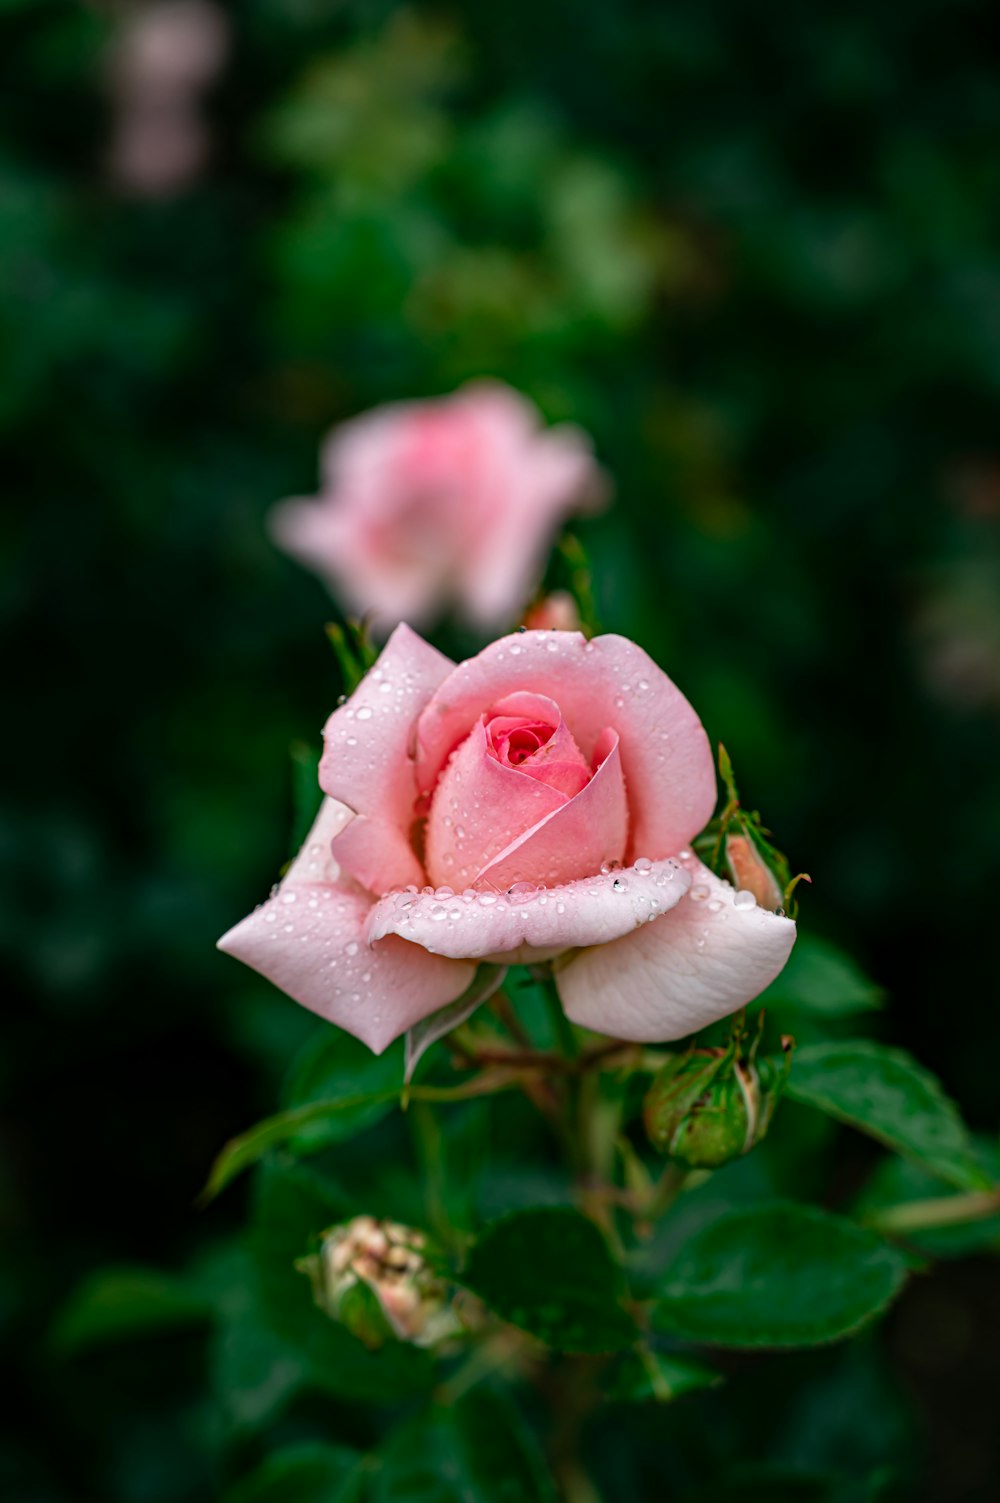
(366, 762)
(712, 953)
(534, 923)
(308, 938)
(666, 758)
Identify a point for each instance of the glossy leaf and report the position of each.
(335, 1067)
(887, 1094)
(549, 1271)
(779, 1275)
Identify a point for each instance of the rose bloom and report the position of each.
(533, 803)
(451, 501)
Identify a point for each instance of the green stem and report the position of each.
(944, 1210)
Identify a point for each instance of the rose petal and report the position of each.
(479, 808)
(666, 758)
(715, 951)
(377, 855)
(366, 762)
(308, 938)
(513, 928)
(589, 832)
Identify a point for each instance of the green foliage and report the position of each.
(474, 1451)
(887, 1094)
(307, 1473)
(821, 982)
(550, 1272)
(126, 1303)
(649, 1376)
(779, 1275)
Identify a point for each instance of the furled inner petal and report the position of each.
(531, 923)
(588, 832)
(479, 807)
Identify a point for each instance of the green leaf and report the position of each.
(822, 981)
(887, 1094)
(779, 1275)
(242, 1152)
(899, 1186)
(549, 1271)
(474, 1451)
(660, 1377)
(333, 1068)
(308, 1473)
(119, 1303)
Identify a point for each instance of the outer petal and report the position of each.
(376, 854)
(521, 926)
(715, 951)
(589, 832)
(666, 758)
(479, 808)
(366, 759)
(308, 938)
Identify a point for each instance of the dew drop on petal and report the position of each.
(744, 899)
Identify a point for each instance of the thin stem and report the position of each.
(944, 1210)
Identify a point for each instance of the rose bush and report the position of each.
(448, 501)
(532, 803)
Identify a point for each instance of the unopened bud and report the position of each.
(751, 873)
(373, 1277)
(707, 1107)
(555, 612)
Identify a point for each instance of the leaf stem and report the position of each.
(943, 1210)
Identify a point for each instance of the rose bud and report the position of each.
(373, 1278)
(751, 873)
(534, 804)
(707, 1107)
(450, 502)
(555, 612)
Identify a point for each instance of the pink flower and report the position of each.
(437, 503)
(531, 803)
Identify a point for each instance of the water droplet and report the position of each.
(486, 899)
(437, 912)
(289, 928)
(288, 897)
(552, 645)
(642, 685)
(699, 894)
(514, 649)
(351, 741)
(351, 948)
(744, 899)
(715, 905)
(619, 885)
(364, 712)
(642, 865)
(270, 917)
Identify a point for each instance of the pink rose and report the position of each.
(533, 802)
(451, 501)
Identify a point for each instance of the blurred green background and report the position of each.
(755, 254)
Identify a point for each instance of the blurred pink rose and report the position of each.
(533, 802)
(446, 502)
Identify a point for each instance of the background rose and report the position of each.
(449, 501)
(535, 801)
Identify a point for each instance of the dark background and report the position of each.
(755, 254)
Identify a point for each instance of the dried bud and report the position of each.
(751, 872)
(708, 1106)
(372, 1276)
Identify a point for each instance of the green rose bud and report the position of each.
(373, 1278)
(709, 1106)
